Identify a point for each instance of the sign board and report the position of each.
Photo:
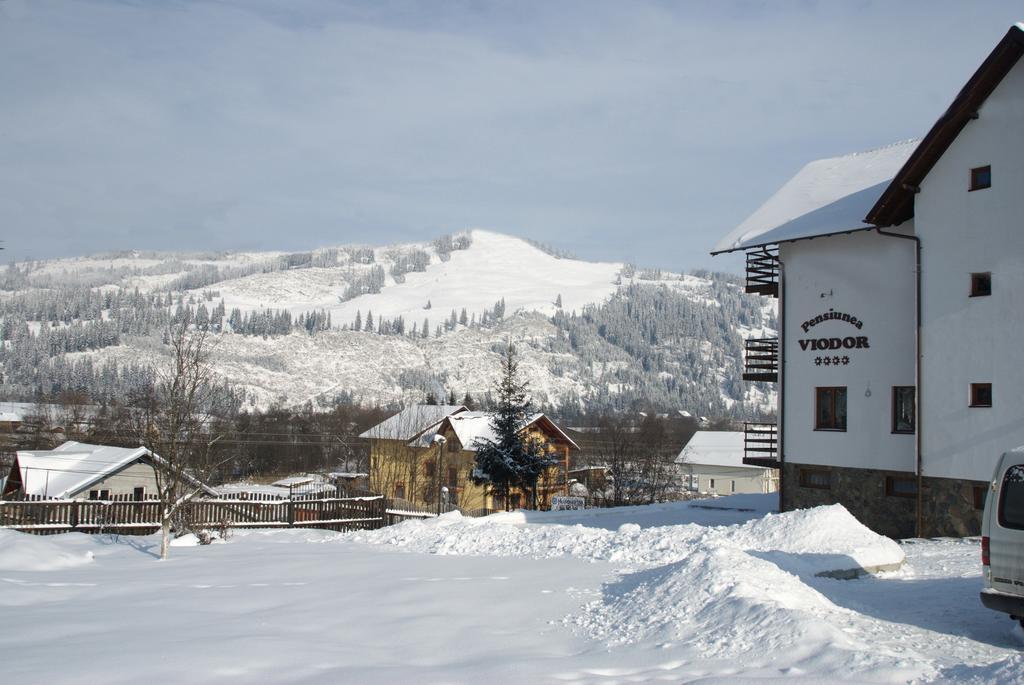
(566, 503)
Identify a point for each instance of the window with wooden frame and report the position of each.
(399, 490)
(903, 411)
(899, 486)
(139, 494)
(981, 177)
(428, 468)
(981, 284)
(981, 395)
(830, 409)
(818, 479)
(453, 476)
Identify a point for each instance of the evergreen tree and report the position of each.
(510, 460)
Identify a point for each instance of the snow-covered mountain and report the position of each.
(431, 317)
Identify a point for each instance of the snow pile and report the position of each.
(21, 552)
(1008, 671)
(806, 542)
(725, 589)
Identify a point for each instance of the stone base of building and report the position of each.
(886, 501)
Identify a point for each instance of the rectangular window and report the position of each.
(830, 409)
(711, 484)
(139, 494)
(428, 468)
(104, 494)
(903, 409)
(732, 486)
(1011, 498)
(981, 394)
(981, 284)
(94, 494)
(399, 490)
(815, 478)
(896, 486)
(981, 177)
(453, 476)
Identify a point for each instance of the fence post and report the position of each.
(74, 514)
(291, 512)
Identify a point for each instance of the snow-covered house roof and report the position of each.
(896, 204)
(827, 196)
(71, 468)
(411, 421)
(715, 448)
(473, 426)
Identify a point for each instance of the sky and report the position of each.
(637, 130)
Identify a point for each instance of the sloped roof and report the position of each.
(411, 421)
(471, 426)
(68, 469)
(827, 196)
(896, 204)
(715, 448)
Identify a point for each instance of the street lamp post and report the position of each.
(440, 441)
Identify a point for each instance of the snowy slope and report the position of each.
(494, 266)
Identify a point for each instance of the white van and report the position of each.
(1002, 541)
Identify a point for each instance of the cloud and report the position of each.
(640, 130)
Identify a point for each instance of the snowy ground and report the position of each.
(673, 593)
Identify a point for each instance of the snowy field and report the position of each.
(669, 593)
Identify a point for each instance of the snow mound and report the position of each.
(1008, 671)
(743, 589)
(805, 542)
(24, 552)
(728, 590)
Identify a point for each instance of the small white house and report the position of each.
(76, 470)
(712, 464)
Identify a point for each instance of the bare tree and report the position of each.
(172, 424)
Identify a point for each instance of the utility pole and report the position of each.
(440, 441)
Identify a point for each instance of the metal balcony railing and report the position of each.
(761, 445)
(763, 271)
(761, 361)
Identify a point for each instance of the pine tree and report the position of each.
(510, 460)
(369, 321)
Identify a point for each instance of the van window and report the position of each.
(1011, 498)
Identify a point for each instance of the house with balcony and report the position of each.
(897, 272)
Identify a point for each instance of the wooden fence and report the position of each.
(124, 514)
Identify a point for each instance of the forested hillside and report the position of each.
(386, 326)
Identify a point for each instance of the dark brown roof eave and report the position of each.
(896, 204)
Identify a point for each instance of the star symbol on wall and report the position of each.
(827, 361)
(846, 360)
(835, 360)
(817, 361)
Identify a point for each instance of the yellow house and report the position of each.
(396, 457)
(425, 471)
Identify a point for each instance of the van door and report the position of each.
(1006, 533)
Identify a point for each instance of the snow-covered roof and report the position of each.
(473, 426)
(826, 196)
(411, 421)
(292, 481)
(715, 448)
(68, 469)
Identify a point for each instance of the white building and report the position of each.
(898, 357)
(712, 464)
(75, 470)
